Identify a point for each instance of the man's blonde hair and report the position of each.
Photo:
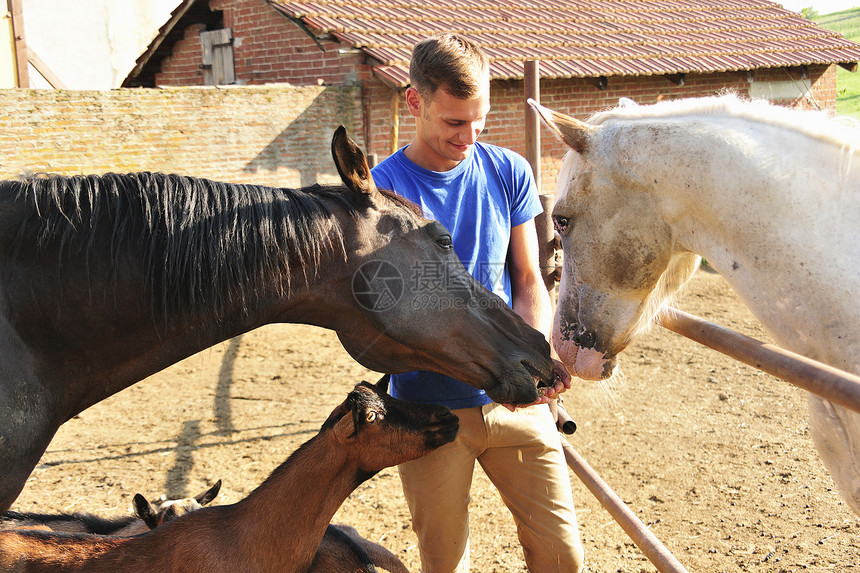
(448, 61)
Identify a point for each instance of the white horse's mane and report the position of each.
(842, 132)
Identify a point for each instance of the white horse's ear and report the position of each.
(627, 102)
(573, 132)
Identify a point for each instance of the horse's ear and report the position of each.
(209, 494)
(144, 510)
(570, 130)
(351, 163)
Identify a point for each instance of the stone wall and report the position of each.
(273, 134)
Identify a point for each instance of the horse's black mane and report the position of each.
(201, 244)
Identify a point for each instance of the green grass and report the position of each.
(846, 23)
(848, 93)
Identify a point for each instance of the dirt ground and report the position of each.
(714, 456)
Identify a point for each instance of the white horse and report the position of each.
(769, 196)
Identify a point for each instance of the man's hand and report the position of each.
(562, 383)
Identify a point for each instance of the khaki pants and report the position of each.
(521, 454)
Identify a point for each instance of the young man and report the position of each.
(486, 197)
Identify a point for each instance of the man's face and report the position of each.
(447, 127)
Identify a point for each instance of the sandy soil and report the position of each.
(714, 456)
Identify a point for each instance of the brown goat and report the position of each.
(146, 517)
(78, 522)
(280, 525)
(344, 549)
(172, 508)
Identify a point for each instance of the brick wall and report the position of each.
(274, 135)
(182, 67)
(267, 48)
(581, 98)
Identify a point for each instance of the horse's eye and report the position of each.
(371, 417)
(561, 224)
(445, 242)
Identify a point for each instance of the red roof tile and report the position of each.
(581, 38)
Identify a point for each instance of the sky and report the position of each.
(821, 6)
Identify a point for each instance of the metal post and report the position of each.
(543, 222)
(835, 385)
(395, 120)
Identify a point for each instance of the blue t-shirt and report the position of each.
(479, 201)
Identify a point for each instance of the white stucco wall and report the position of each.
(91, 44)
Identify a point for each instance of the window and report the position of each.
(217, 57)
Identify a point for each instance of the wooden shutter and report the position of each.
(217, 57)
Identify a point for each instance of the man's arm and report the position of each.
(530, 297)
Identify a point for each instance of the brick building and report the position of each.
(591, 52)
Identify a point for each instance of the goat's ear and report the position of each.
(345, 428)
(208, 495)
(335, 416)
(383, 383)
(144, 510)
(340, 421)
(351, 164)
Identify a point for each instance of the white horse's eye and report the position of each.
(561, 224)
(371, 417)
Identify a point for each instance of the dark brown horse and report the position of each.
(280, 525)
(105, 280)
